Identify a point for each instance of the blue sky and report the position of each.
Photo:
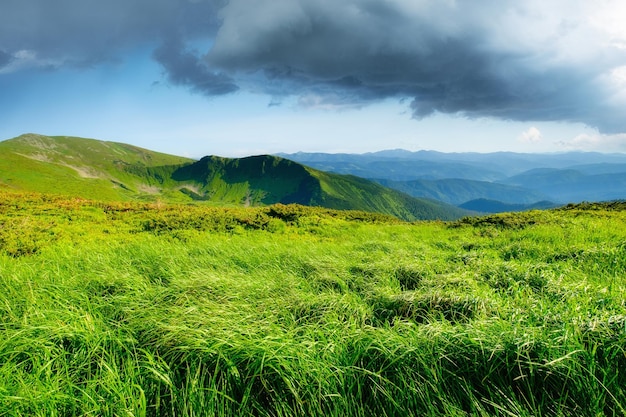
(241, 77)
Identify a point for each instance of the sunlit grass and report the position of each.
(154, 310)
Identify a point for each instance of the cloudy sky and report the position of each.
(240, 77)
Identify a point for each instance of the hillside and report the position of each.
(118, 172)
(262, 180)
(87, 168)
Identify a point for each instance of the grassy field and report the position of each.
(120, 309)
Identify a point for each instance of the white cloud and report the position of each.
(532, 135)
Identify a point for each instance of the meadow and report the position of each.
(129, 309)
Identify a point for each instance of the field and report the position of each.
(125, 309)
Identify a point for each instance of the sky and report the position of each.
(243, 77)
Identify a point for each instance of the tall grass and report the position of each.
(142, 310)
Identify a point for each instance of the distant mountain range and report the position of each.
(492, 181)
(102, 170)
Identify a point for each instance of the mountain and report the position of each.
(484, 205)
(507, 163)
(573, 185)
(505, 177)
(458, 191)
(464, 165)
(596, 169)
(86, 167)
(269, 179)
(395, 166)
(101, 170)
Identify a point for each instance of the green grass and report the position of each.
(113, 309)
(88, 168)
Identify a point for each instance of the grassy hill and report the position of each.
(113, 171)
(150, 310)
(261, 180)
(85, 167)
(251, 181)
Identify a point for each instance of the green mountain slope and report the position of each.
(370, 196)
(269, 179)
(253, 180)
(114, 171)
(85, 167)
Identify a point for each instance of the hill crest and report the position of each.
(113, 171)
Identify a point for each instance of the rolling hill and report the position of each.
(102, 170)
(85, 167)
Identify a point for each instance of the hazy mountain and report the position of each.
(458, 191)
(506, 177)
(502, 164)
(483, 205)
(396, 168)
(596, 169)
(113, 171)
(572, 185)
(508, 163)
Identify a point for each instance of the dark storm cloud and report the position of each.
(85, 32)
(185, 68)
(449, 57)
(531, 60)
(5, 58)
